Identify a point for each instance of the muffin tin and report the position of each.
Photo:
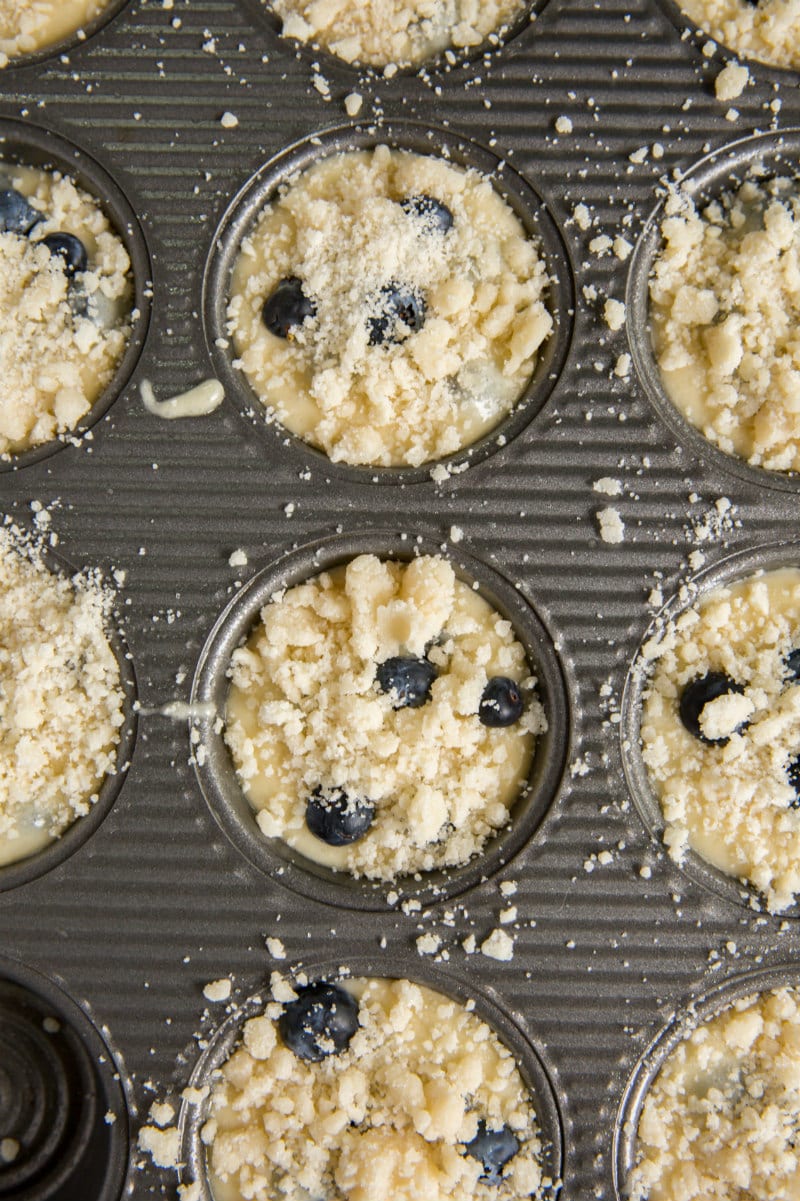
(611, 939)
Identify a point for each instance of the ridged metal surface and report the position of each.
(158, 902)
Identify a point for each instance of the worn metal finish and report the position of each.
(159, 900)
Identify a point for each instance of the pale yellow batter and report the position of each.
(61, 338)
(388, 1117)
(61, 701)
(305, 710)
(721, 1120)
(768, 30)
(733, 798)
(401, 32)
(30, 25)
(346, 229)
(725, 315)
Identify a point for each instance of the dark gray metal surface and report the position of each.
(158, 901)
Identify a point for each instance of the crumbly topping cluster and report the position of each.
(728, 789)
(397, 32)
(766, 31)
(721, 1120)
(725, 307)
(387, 1117)
(413, 339)
(61, 703)
(305, 711)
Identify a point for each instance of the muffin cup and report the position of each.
(716, 173)
(683, 23)
(440, 64)
(698, 1010)
(241, 216)
(31, 146)
(737, 567)
(63, 1114)
(69, 43)
(12, 875)
(536, 1075)
(217, 776)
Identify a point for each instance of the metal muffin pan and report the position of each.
(610, 938)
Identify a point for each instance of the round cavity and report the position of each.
(736, 570)
(698, 1012)
(438, 56)
(63, 1115)
(60, 34)
(37, 864)
(768, 157)
(218, 778)
(25, 145)
(535, 1077)
(527, 208)
(746, 23)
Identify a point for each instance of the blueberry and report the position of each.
(493, 1148)
(501, 703)
(792, 664)
(70, 249)
(402, 312)
(793, 776)
(408, 679)
(320, 1022)
(696, 696)
(337, 819)
(435, 214)
(287, 307)
(16, 215)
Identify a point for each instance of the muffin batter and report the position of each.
(720, 731)
(722, 1119)
(29, 25)
(402, 32)
(408, 303)
(61, 701)
(64, 325)
(311, 717)
(767, 30)
(389, 1115)
(725, 308)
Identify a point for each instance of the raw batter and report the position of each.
(29, 25)
(725, 312)
(401, 32)
(767, 30)
(64, 325)
(389, 1114)
(721, 1122)
(311, 717)
(408, 303)
(721, 731)
(61, 701)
